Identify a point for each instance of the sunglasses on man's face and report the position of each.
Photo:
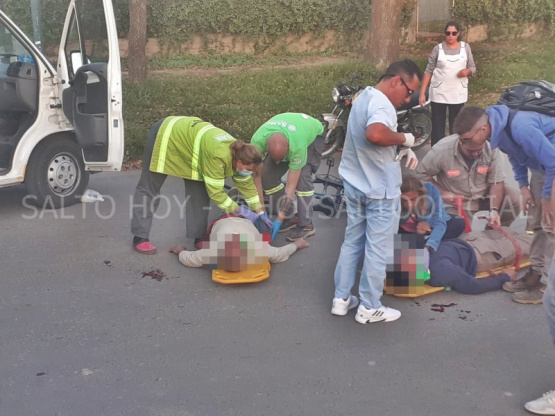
(409, 91)
(447, 33)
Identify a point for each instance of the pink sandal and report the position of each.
(145, 248)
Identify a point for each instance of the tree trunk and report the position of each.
(412, 30)
(137, 41)
(385, 32)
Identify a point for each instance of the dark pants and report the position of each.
(146, 198)
(454, 264)
(455, 227)
(271, 181)
(439, 114)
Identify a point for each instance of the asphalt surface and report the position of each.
(84, 333)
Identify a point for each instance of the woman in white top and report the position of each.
(449, 66)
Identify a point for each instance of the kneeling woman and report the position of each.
(423, 212)
(204, 156)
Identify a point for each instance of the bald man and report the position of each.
(292, 142)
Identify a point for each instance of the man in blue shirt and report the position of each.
(528, 139)
(371, 174)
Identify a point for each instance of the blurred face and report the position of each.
(451, 35)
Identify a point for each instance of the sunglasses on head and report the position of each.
(447, 33)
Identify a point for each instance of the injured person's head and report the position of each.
(236, 252)
(405, 270)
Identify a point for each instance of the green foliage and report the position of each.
(260, 20)
(510, 64)
(497, 13)
(174, 21)
(237, 101)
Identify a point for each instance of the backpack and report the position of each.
(538, 96)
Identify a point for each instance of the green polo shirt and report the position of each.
(300, 130)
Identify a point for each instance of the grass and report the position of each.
(240, 100)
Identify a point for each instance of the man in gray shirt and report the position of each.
(474, 172)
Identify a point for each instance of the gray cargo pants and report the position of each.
(543, 243)
(549, 300)
(275, 190)
(147, 197)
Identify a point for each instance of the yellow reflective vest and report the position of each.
(190, 148)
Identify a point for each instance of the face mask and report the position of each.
(243, 172)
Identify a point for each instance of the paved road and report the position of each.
(83, 333)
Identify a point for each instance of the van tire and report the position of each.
(56, 175)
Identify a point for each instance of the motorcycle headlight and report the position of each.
(335, 95)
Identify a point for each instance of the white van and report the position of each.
(58, 122)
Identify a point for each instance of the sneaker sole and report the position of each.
(511, 290)
(539, 411)
(366, 321)
(342, 312)
(528, 302)
(308, 234)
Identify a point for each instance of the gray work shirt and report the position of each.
(452, 173)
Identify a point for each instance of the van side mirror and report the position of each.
(76, 60)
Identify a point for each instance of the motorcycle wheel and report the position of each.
(334, 142)
(422, 122)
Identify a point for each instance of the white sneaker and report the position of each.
(545, 405)
(383, 313)
(340, 307)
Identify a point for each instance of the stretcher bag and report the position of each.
(244, 276)
(499, 248)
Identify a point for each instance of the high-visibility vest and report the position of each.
(190, 148)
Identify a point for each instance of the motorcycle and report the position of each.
(411, 117)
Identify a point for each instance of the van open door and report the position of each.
(90, 78)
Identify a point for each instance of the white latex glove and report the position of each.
(426, 259)
(409, 140)
(412, 161)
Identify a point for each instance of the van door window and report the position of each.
(87, 39)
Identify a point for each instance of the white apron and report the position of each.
(445, 86)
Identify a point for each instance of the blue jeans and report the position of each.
(549, 299)
(370, 223)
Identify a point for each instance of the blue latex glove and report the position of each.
(426, 260)
(246, 213)
(267, 221)
(277, 226)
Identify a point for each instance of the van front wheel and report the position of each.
(56, 174)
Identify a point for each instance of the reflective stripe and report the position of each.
(228, 202)
(218, 183)
(164, 144)
(305, 193)
(196, 151)
(242, 178)
(252, 200)
(274, 190)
